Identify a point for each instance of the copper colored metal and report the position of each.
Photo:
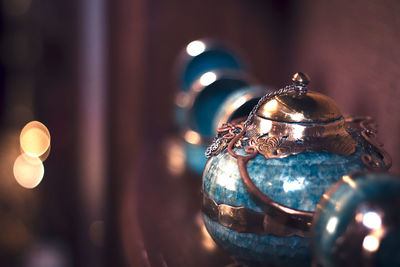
(245, 220)
(297, 219)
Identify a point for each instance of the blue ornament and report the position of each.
(266, 175)
(357, 222)
(208, 98)
(197, 64)
(202, 56)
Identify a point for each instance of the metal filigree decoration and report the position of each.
(284, 139)
(277, 139)
(225, 133)
(364, 128)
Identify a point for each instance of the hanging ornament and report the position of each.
(264, 177)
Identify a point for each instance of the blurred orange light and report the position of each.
(192, 137)
(28, 171)
(175, 157)
(35, 139)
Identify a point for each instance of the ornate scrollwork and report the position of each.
(225, 134)
(377, 159)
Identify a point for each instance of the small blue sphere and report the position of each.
(358, 224)
(202, 56)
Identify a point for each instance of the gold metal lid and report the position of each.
(301, 107)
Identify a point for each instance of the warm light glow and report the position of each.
(96, 233)
(208, 78)
(297, 117)
(175, 157)
(271, 106)
(206, 240)
(347, 179)
(192, 137)
(239, 102)
(28, 171)
(265, 126)
(35, 139)
(195, 48)
(372, 220)
(331, 225)
(298, 131)
(182, 99)
(371, 243)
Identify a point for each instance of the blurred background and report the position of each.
(99, 75)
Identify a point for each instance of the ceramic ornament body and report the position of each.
(265, 177)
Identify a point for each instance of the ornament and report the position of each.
(198, 62)
(202, 110)
(265, 176)
(357, 222)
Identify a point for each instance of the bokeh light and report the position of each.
(208, 78)
(35, 139)
(371, 243)
(195, 48)
(28, 171)
(175, 157)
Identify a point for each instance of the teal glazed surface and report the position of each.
(297, 181)
(195, 159)
(207, 61)
(341, 208)
(284, 251)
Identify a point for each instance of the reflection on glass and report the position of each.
(208, 78)
(372, 220)
(297, 117)
(331, 225)
(298, 131)
(347, 179)
(371, 243)
(195, 48)
(28, 171)
(270, 107)
(293, 185)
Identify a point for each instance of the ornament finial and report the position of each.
(301, 80)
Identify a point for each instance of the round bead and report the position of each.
(358, 223)
(202, 56)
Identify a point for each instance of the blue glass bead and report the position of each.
(209, 100)
(297, 181)
(209, 56)
(358, 222)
